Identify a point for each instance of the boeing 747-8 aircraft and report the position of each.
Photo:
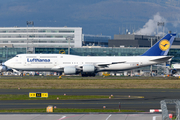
(90, 65)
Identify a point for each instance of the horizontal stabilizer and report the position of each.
(163, 59)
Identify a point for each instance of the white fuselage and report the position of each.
(56, 62)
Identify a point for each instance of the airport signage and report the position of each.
(38, 95)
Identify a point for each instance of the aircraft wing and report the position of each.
(58, 68)
(61, 68)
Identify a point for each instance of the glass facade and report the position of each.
(176, 53)
(11, 52)
(51, 50)
(94, 51)
(105, 51)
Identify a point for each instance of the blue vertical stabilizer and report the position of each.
(161, 47)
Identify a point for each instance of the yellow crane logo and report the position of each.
(62, 51)
(164, 45)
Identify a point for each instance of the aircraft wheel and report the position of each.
(21, 74)
(83, 75)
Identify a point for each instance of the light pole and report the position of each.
(151, 65)
(68, 38)
(6, 51)
(28, 23)
(160, 24)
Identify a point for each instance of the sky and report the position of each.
(106, 17)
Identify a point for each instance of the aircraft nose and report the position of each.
(6, 63)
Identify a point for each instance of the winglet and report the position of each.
(161, 47)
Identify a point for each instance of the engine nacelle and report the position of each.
(69, 70)
(173, 71)
(3, 68)
(88, 68)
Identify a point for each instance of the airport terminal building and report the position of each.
(131, 40)
(95, 40)
(36, 37)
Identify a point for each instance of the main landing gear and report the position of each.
(21, 74)
(88, 74)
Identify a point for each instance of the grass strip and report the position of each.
(90, 83)
(88, 78)
(65, 110)
(52, 97)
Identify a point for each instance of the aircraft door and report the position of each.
(24, 60)
(55, 61)
(60, 60)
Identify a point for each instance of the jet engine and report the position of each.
(88, 68)
(70, 70)
(173, 71)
